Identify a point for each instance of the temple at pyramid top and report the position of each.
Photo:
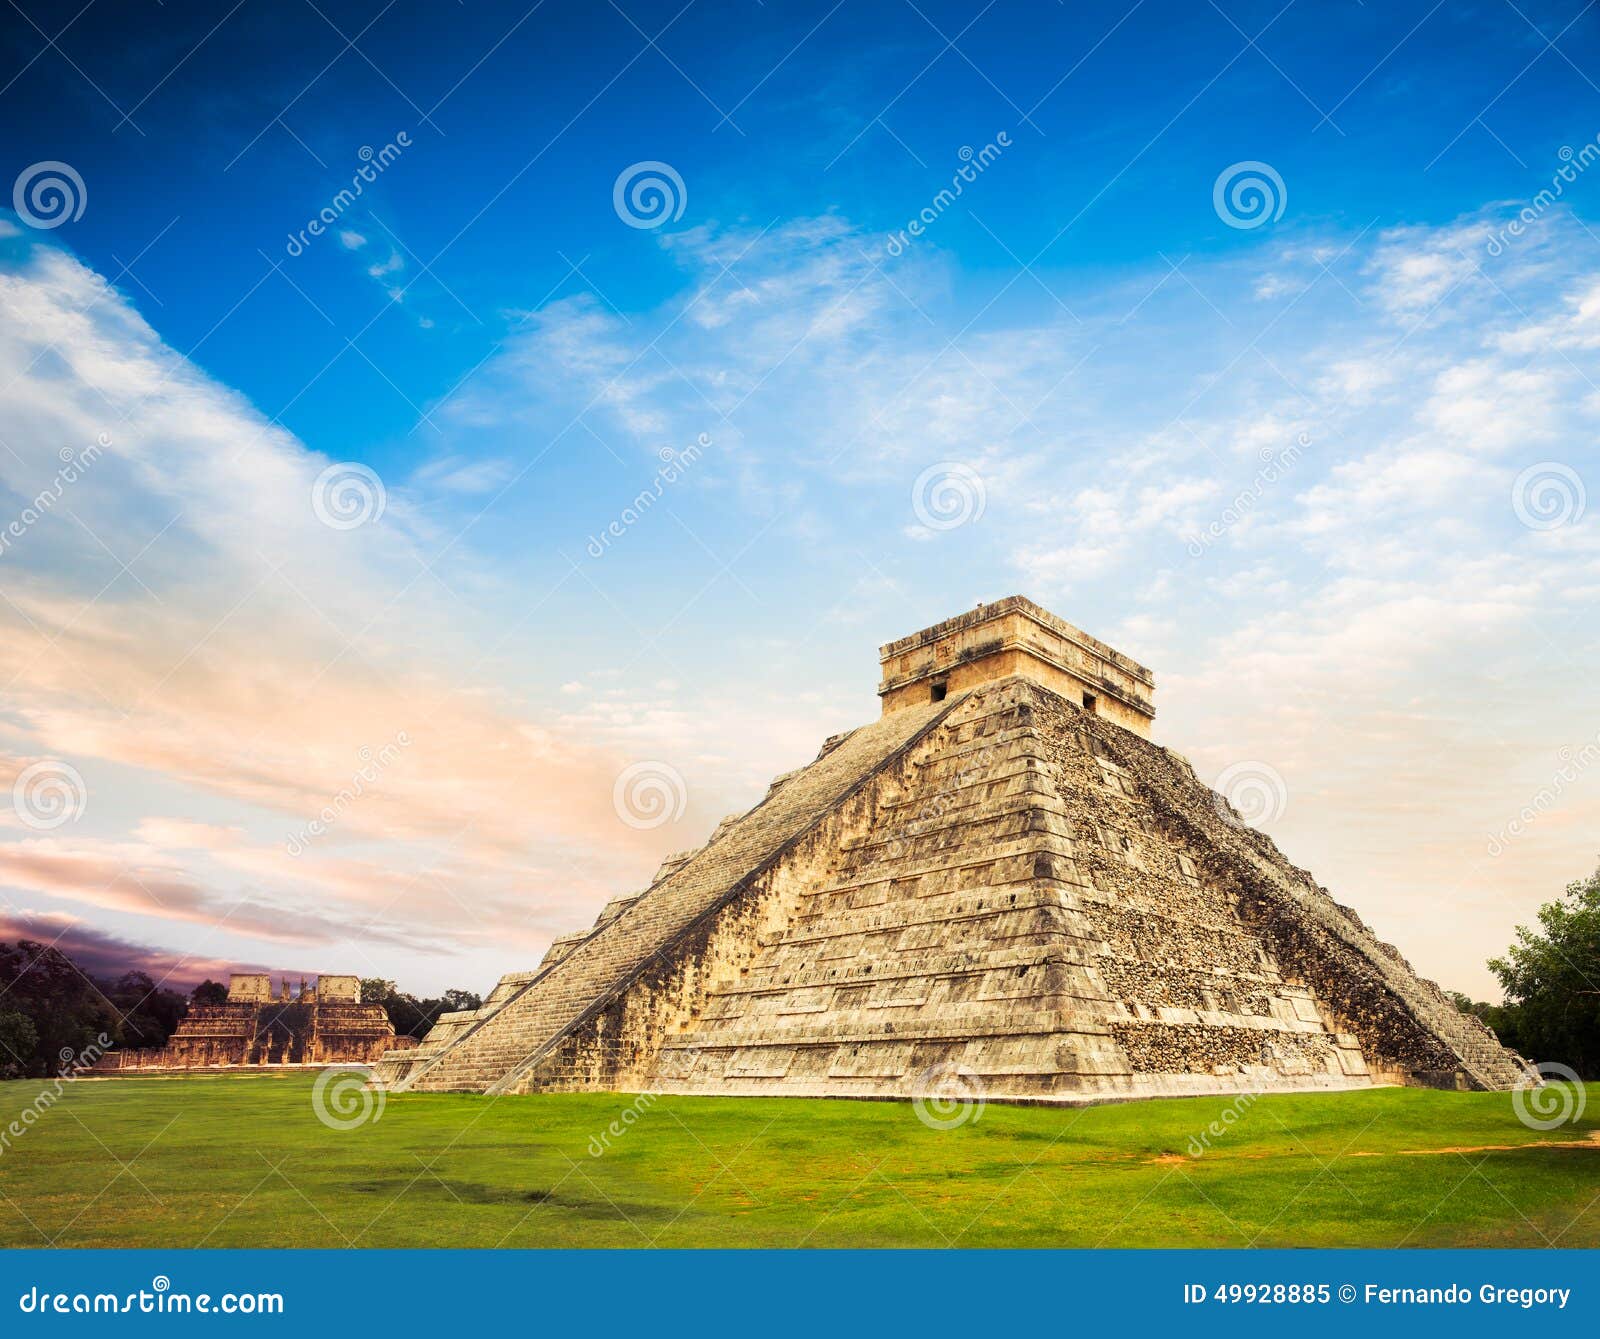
(1015, 636)
(1001, 879)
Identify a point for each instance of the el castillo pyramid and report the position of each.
(1002, 876)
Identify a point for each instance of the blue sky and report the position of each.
(1325, 467)
(517, 142)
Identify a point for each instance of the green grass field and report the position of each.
(246, 1162)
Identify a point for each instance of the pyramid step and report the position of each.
(1011, 879)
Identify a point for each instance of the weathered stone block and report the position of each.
(995, 874)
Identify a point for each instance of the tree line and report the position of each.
(412, 1016)
(1551, 979)
(52, 1012)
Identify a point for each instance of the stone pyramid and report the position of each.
(1001, 878)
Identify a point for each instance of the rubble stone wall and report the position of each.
(242, 1031)
(1408, 1029)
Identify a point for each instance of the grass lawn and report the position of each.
(246, 1162)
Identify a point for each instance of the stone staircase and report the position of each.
(1003, 882)
(1001, 874)
(395, 1069)
(491, 1053)
(974, 926)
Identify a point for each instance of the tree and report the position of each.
(400, 1007)
(1551, 977)
(209, 992)
(68, 1011)
(19, 1039)
(425, 1013)
(375, 990)
(150, 1013)
(410, 1016)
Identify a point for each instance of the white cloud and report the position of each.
(1369, 609)
(459, 474)
(1411, 270)
(1368, 616)
(254, 661)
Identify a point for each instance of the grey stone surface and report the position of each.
(1003, 884)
